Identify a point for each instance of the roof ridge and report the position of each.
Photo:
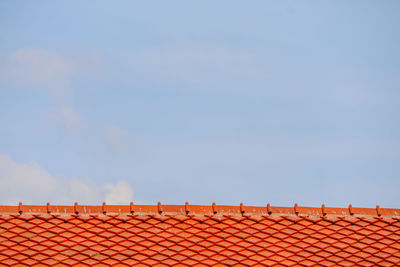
(187, 209)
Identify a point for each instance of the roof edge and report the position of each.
(199, 209)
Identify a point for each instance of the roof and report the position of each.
(190, 235)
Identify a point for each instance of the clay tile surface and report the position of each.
(191, 235)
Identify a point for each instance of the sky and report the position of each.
(258, 102)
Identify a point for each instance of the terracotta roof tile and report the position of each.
(189, 235)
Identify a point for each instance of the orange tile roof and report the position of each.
(190, 235)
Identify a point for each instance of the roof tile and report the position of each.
(196, 236)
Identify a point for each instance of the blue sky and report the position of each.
(214, 101)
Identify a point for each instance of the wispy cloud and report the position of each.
(67, 118)
(30, 183)
(37, 67)
(50, 70)
(118, 139)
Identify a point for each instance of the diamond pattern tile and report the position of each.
(198, 239)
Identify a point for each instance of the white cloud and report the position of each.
(37, 67)
(120, 193)
(30, 183)
(118, 139)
